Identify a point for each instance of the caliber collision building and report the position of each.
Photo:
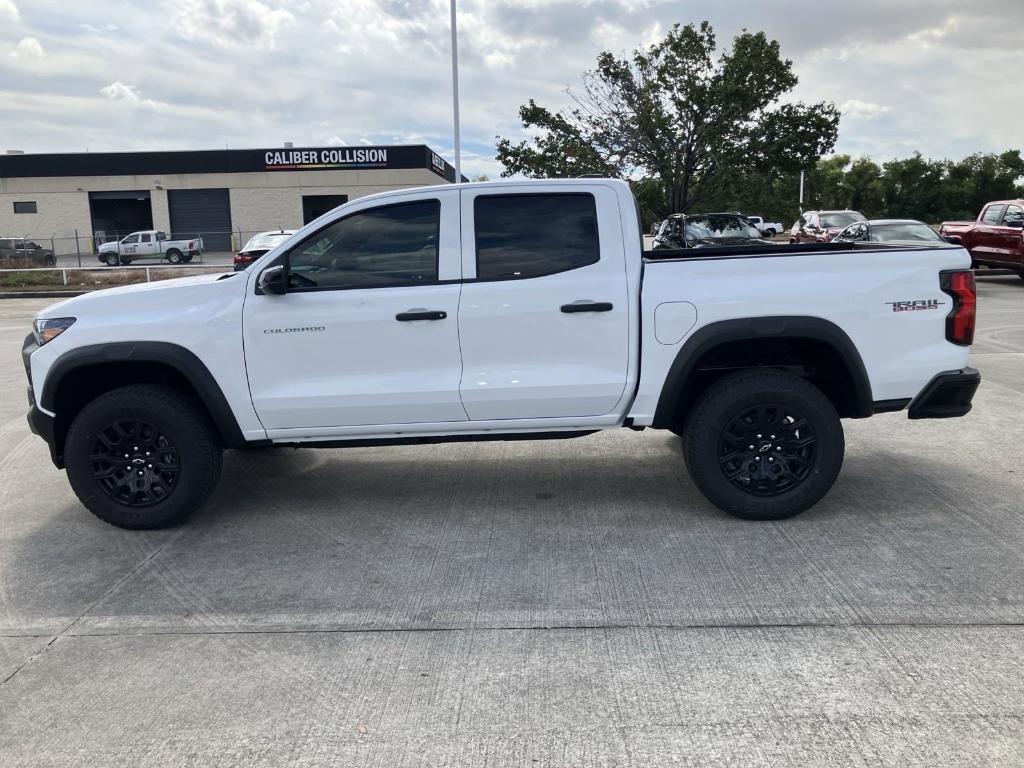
(224, 194)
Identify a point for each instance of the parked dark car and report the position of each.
(16, 249)
(995, 239)
(260, 244)
(822, 226)
(889, 231)
(701, 230)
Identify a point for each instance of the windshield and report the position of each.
(881, 233)
(719, 226)
(266, 241)
(840, 220)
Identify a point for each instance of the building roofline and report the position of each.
(246, 160)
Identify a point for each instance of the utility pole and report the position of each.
(455, 95)
(801, 184)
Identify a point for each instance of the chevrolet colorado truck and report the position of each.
(995, 239)
(149, 244)
(508, 310)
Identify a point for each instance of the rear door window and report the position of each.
(531, 235)
(993, 214)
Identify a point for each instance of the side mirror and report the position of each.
(272, 281)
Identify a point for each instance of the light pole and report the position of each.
(455, 95)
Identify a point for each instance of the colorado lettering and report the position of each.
(342, 156)
(307, 329)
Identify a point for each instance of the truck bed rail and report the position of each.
(786, 249)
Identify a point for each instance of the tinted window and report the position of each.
(147, 238)
(1014, 216)
(267, 241)
(381, 247)
(717, 226)
(28, 207)
(881, 233)
(854, 232)
(993, 214)
(843, 219)
(529, 235)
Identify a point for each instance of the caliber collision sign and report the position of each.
(320, 159)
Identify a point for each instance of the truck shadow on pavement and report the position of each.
(610, 533)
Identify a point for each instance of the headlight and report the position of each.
(51, 328)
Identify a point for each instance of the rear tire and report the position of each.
(763, 444)
(142, 456)
(174, 256)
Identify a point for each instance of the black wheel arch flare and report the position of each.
(174, 356)
(679, 381)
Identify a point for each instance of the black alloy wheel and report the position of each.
(142, 456)
(763, 444)
(134, 463)
(767, 449)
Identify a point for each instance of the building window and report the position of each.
(29, 207)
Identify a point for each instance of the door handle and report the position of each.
(587, 306)
(420, 314)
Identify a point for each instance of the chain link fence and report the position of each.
(26, 251)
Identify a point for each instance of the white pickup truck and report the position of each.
(766, 228)
(501, 310)
(149, 244)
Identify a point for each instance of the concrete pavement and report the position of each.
(548, 603)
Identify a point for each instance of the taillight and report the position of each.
(961, 319)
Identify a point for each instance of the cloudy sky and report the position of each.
(939, 76)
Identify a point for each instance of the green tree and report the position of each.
(682, 114)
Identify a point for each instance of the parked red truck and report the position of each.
(996, 239)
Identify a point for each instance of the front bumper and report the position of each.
(947, 395)
(40, 423)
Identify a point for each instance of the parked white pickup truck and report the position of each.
(149, 244)
(500, 311)
(766, 228)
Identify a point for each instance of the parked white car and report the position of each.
(766, 228)
(149, 244)
(501, 310)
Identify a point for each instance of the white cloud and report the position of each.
(862, 109)
(106, 29)
(120, 92)
(8, 10)
(230, 23)
(28, 49)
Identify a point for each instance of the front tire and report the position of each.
(112, 260)
(142, 456)
(763, 444)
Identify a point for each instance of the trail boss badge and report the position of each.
(915, 305)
